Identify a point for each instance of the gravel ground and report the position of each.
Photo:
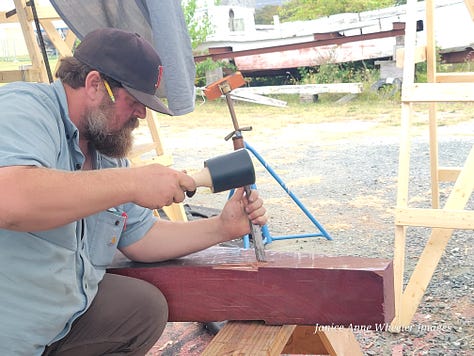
(345, 174)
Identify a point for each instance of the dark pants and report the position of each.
(127, 317)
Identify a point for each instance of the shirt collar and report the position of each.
(71, 129)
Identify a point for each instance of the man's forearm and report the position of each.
(172, 239)
(36, 199)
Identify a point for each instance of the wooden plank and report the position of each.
(46, 13)
(43, 12)
(154, 128)
(53, 35)
(306, 340)
(143, 148)
(311, 340)
(419, 55)
(455, 77)
(430, 41)
(438, 92)
(353, 88)
(398, 271)
(175, 212)
(291, 288)
(255, 338)
(249, 338)
(340, 342)
(431, 58)
(434, 162)
(28, 75)
(165, 160)
(470, 7)
(448, 174)
(439, 218)
(402, 200)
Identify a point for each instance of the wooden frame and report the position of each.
(442, 87)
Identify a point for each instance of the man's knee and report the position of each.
(147, 313)
(127, 314)
(154, 307)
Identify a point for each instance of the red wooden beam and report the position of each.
(291, 288)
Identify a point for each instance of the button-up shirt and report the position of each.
(49, 278)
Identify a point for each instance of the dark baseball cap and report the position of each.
(127, 58)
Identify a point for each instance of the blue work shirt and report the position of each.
(49, 278)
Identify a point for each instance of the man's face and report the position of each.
(108, 131)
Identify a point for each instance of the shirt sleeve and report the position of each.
(29, 131)
(139, 222)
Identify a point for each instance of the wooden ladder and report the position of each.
(441, 87)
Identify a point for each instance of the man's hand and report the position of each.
(157, 186)
(237, 212)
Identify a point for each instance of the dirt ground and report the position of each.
(343, 169)
(342, 166)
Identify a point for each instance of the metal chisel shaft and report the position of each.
(257, 236)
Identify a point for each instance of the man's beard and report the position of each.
(113, 144)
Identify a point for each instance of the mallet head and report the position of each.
(225, 172)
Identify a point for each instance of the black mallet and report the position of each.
(225, 172)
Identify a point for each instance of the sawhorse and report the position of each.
(255, 338)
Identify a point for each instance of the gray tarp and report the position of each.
(161, 22)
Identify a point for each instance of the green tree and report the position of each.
(198, 28)
(300, 10)
(264, 15)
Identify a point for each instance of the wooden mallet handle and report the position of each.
(203, 178)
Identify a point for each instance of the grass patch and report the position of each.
(388, 112)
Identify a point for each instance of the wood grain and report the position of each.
(290, 288)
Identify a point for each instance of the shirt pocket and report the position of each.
(103, 234)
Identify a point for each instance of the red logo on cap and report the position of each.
(158, 80)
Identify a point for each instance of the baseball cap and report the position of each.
(127, 58)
